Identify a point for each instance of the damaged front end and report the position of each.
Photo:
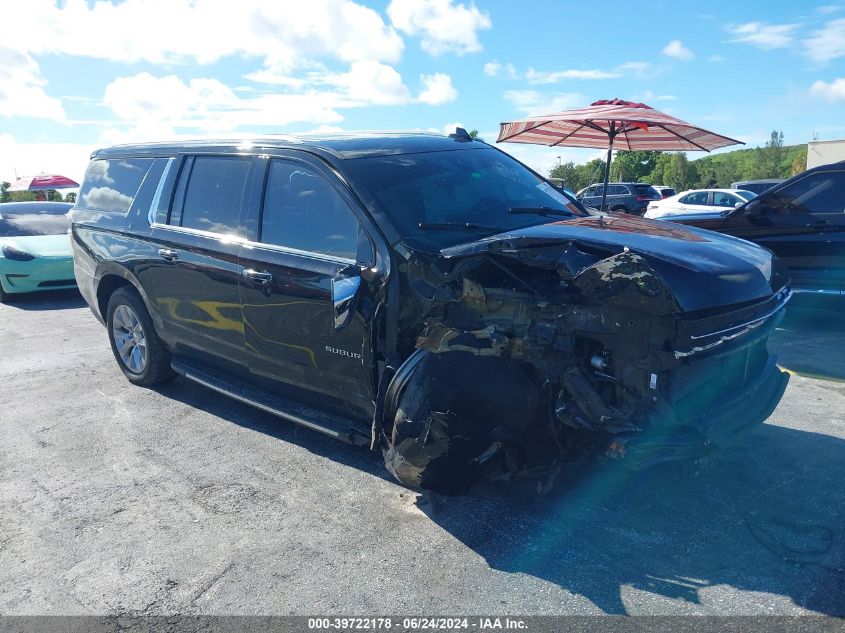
(550, 343)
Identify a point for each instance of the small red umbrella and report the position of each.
(631, 126)
(43, 182)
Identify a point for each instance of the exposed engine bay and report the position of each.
(570, 341)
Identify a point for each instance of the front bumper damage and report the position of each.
(606, 342)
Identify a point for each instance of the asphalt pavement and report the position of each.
(116, 499)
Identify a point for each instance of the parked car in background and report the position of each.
(757, 186)
(427, 295)
(698, 201)
(665, 192)
(35, 253)
(801, 220)
(626, 197)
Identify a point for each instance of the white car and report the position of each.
(707, 202)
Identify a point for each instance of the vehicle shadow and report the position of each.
(200, 397)
(765, 516)
(48, 300)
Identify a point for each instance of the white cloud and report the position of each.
(445, 27)
(532, 102)
(827, 43)
(641, 70)
(146, 106)
(715, 58)
(283, 34)
(22, 88)
(438, 89)
(29, 159)
(827, 9)
(676, 49)
(762, 35)
(492, 69)
(371, 82)
(833, 91)
(553, 77)
(636, 69)
(648, 95)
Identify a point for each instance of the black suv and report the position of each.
(426, 295)
(802, 220)
(625, 197)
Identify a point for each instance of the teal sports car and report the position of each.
(35, 250)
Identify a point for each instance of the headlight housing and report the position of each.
(10, 252)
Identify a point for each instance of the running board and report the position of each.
(296, 412)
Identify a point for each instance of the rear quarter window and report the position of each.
(110, 185)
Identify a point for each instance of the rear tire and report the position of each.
(4, 297)
(139, 352)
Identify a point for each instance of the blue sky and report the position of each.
(78, 75)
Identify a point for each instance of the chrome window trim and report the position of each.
(301, 253)
(244, 242)
(153, 212)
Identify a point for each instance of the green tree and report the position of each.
(799, 163)
(658, 174)
(681, 173)
(632, 166)
(770, 160)
(5, 196)
(576, 177)
(71, 197)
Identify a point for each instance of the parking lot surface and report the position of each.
(117, 499)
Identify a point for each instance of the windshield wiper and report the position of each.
(458, 226)
(540, 211)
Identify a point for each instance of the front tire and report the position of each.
(452, 410)
(140, 353)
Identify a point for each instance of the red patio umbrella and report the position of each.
(43, 182)
(628, 125)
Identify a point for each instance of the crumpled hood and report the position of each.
(703, 269)
(41, 245)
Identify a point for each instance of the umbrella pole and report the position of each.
(607, 168)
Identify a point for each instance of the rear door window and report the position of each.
(111, 185)
(726, 200)
(302, 210)
(214, 194)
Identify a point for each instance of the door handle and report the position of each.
(822, 224)
(261, 276)
(168, 253)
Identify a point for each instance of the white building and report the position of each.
(825, 152)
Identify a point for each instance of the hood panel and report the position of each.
(703, 269)
(41, 245)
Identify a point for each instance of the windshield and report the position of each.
(34, 222)
(458, 195)
(746, 195)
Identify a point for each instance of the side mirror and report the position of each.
(737, 205)
(345, 286)
(755, 208)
